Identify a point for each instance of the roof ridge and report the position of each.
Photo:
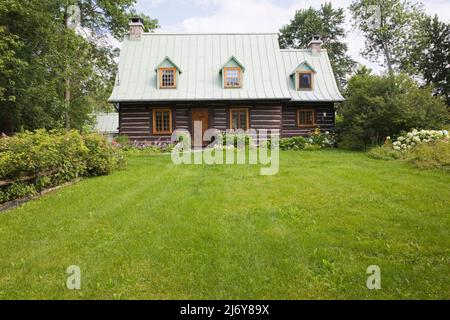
(206, 33)
(299, 50)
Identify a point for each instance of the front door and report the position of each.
(199, 115)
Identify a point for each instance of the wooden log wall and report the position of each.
(324, 122)
(136, 120)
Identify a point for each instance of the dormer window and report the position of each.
(303, 77)
(304, 80)
(167, 74)
(232, 77)
(232, 74)
(168, 77)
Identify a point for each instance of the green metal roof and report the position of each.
(324, 83)
(201, 57)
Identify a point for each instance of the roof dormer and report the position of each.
(303, 77)
(232, 73)
(167, 74)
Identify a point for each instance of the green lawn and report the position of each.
(160, 231)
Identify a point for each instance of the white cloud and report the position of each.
(150, 3)
(259, 16)
(439, 7)
(239, 16)
(270, 16)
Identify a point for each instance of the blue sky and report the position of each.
(253, 16)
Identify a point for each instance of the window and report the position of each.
(305, 118)
(162, 121)
(239, 119)
(232, 77)
(167, 77)
(304, 81)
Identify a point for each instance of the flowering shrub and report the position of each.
(228, 140)
(316, 140)
(408, 140)
(143, 147)
(429, 149)
(324, 140)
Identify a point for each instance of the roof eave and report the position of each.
(199, 100)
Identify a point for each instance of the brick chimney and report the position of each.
(136, 28)
(315, 45)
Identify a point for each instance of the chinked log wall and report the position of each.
(135, 120)
(324, 115)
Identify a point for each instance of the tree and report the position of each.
(429, 54)
(327, 22)
(381, 106)
(386, 25)
(97, 18)
(42, 60)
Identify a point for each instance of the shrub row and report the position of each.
(141, 148)
(51, 158)
(316, 140)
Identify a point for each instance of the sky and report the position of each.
(255, 16)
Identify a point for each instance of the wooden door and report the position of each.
(200, 114)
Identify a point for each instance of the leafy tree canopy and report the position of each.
(429, 54)
(41, 60)
(386, 25)
(327, 22)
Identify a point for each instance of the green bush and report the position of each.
(312, 147)
(123, 141)
(433, 155)
(52, 158)
(149, 149)
(166, 148)
(16, 190)
(316, 140)
(32, 153)
(381, 106)
(102, 158)
(294, 143)
(384, 152)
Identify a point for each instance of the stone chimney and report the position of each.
(315, 45)
(136, 28)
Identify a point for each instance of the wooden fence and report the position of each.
(27, 178)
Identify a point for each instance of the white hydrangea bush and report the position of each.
(408, 140)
